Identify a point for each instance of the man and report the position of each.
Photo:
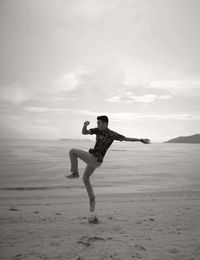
(94, 158)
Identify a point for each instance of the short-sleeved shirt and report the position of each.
(104, 139)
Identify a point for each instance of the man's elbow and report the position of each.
(85, 132)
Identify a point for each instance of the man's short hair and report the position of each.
(104, 119)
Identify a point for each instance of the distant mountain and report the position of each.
(195, 139)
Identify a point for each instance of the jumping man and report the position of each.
(94, 158)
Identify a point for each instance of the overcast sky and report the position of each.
(63, 62)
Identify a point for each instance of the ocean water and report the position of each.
(38, 168)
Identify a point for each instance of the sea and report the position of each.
(39, 168)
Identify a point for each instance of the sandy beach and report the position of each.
(157, 226)
(148, 201)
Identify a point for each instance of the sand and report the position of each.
(157, 226)
(148, 203)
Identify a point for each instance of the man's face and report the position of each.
(101, 125)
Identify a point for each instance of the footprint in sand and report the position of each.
(174, 251)
(13, 209)
(54, 244)
(86, 241)
(17, 257)
(79, 258)
(149, 219)
(93, 239)
(139, 247)
(136, 255)
(144, 220)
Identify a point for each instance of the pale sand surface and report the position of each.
(148, 203)
(157, 226)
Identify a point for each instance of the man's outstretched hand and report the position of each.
(145, 141)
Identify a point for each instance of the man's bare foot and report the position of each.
(73, 175)
(93, 220)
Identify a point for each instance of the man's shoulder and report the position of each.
(112, 132)
(116, 136)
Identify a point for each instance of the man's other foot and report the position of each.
(73, 175)
(93, 220)
(92, 205)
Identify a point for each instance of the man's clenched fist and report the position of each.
(86, 123)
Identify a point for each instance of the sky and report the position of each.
(64, 62)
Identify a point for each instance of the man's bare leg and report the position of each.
(74, 154)
(86, 179)
(92, 164)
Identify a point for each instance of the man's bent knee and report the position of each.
(71, 151)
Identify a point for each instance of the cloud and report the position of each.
(67, 81)
(177, 87)
(70, 80)
(14, 94)
(41, 131)
(175, 84)
(91, 8)
(40, 109)
(158, 76)
(113, 99)
(129, 116)
(128, 97)
(63, 98)
(149, 98)
(18, 99)
(137, 77)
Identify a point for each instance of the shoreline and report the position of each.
(109, 196)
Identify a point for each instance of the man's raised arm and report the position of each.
(130, 139)
(84, 129)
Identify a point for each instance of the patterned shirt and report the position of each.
(104, 139)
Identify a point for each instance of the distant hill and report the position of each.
(194, 139)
